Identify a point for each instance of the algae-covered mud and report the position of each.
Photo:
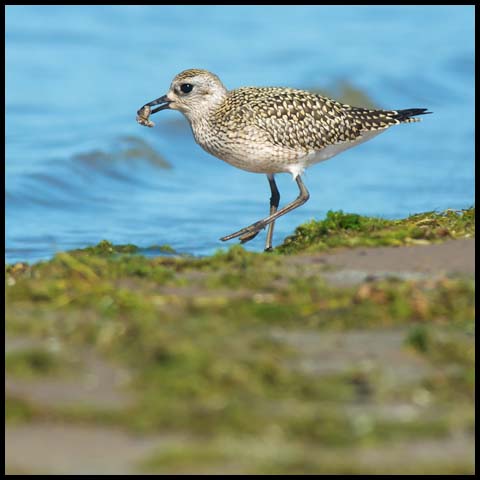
(352, 230)
(247, 362)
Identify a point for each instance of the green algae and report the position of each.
(199, 337)
(341, 229)
(17, 410)
(107, 248)
(35, 362)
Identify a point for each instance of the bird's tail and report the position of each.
(405, 116)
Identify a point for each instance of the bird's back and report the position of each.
(262, 128)
(301, 119)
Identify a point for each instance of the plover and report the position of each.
(270, 130)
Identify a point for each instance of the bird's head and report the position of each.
(193, 92)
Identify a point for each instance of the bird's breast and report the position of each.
(245, 148)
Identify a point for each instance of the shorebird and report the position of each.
(270, 130)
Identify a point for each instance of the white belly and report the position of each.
(329, 151)
(251, 150)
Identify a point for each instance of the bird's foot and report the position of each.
(249, 236)
(248, 233)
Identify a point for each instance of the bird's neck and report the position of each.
(199, 116)
(202, 122)
(202, 128)
(205, 129)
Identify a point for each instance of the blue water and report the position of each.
(79, 169)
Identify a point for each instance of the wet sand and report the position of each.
(453, 256)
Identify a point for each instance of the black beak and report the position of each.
(164, 103)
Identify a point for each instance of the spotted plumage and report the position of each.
(270, 129)
(297, 119)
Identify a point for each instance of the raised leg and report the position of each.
(249, 232)
(274, 202)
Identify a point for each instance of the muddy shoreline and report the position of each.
(248, 363)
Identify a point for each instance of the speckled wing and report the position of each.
(300, 120)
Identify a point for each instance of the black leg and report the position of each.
(274, 202)
(249, 232)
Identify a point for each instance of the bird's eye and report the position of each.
(186, 87)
